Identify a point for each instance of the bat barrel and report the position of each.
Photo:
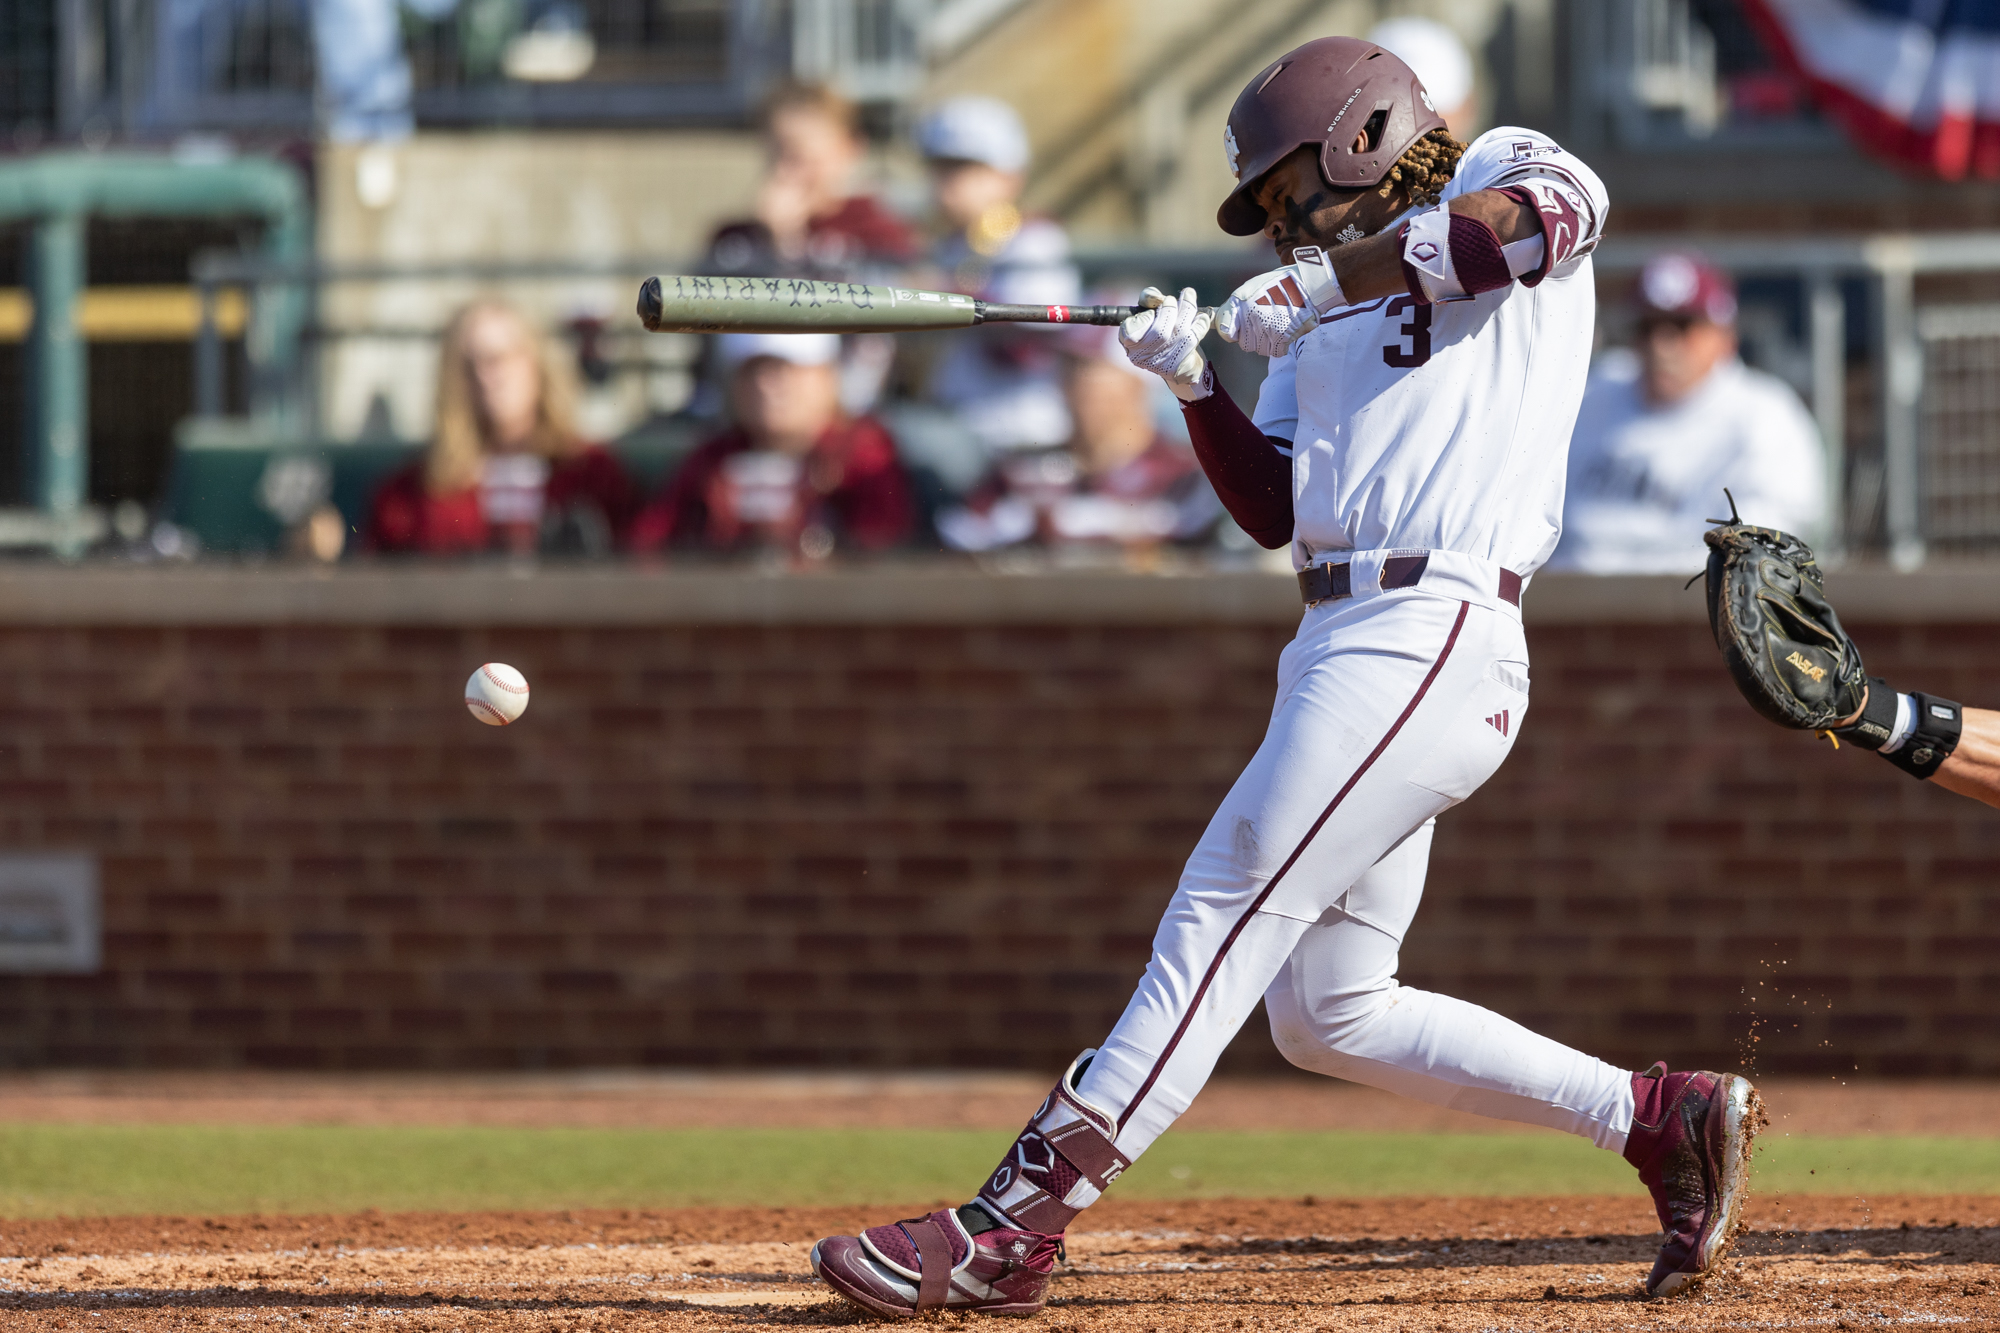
(680, 303)
(993, 313)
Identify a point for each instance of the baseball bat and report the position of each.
(678, 303)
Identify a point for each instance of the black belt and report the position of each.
(1327, 583)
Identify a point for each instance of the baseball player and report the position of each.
(1787, 652)
(1429, 327)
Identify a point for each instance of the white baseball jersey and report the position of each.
(1643, 479)
(1445, 427)
(1434, 427)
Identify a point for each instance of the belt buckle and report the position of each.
(1334, 592)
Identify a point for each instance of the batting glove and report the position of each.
(1167, 341)
(1267, 314)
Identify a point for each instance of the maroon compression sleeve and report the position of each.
(1251, 478)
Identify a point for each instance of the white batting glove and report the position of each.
(1267, 314)
(1167, 341)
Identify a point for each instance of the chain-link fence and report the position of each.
(1961, 427)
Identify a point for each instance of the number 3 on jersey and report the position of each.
(1417, 328)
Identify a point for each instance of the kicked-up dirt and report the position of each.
(1808, 1262)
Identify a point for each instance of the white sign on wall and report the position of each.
(49, 916)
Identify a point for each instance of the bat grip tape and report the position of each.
(993, 312)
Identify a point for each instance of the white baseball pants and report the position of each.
(1391, 708)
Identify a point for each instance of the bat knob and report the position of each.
(649, 304)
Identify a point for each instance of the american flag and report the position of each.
(1916, 81)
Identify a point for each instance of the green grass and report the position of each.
(74, 1170)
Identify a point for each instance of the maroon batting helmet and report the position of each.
(1327, 93)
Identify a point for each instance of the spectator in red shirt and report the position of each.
(807, 223)
(1118, 483)
(795, 473)
(506, 470)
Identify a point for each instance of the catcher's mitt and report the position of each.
(1779, 636)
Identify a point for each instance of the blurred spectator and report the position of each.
(1118, 482)
(807, 221)
(795, 473)
(1663, 431)
(505, 469)
(1441, 63)
(362, 73)
(1003, 381)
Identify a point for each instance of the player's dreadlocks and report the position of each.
(1425, 168)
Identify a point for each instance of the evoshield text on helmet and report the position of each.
(1330, 93)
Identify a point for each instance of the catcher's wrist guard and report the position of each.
(1931, 741)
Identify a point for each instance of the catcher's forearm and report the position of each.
(1974, 767)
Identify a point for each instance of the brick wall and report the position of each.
(926, 844)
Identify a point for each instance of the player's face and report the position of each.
(1300, 208)
(1676, 355)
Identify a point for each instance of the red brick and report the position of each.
(776, 816)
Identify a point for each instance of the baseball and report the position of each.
(496, 694)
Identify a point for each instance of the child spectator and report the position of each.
(807, 222)
(1119, 482)
(1003, 381)
(506, 469)
(795, 473)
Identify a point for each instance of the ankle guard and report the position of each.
(1061, 1164)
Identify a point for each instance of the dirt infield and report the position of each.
(1530, 1264)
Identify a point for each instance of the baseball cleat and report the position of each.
(1690, 1139)
(940, 1263)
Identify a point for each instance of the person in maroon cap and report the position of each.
(1666, 427)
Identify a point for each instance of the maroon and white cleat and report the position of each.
(1690, 1139)
(940, 1263)
(983, 1257)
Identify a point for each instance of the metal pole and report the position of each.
(208, 357)
(1827, 311)
(1902, 367)
(58, 419)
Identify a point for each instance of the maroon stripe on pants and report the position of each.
(1298, 851)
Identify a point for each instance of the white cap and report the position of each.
(1434, 53)
(801, 349)
(975, 129)
(1032, 284)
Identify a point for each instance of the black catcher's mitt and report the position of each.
(1778, 634)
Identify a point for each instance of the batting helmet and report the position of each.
(1328, 93)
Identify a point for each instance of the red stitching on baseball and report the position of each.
(487, 671)
(478, 705)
